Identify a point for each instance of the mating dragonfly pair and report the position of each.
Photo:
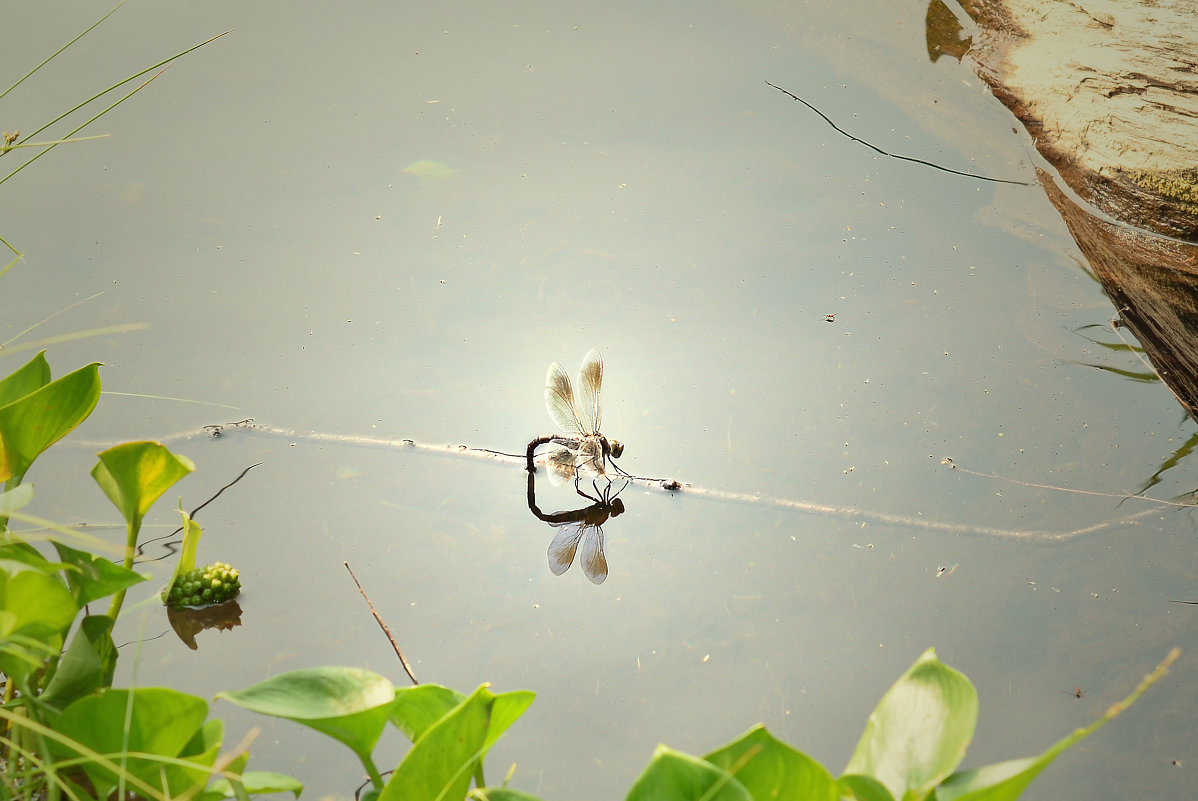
(582, 451)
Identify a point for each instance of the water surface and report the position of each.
(384, 221)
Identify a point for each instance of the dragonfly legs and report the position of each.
(605, 495)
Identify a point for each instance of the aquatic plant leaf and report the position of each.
(417, 708)
(32, 375)
(769, 768)
(135, 474)
(147, 720)
(88, 664)
(350, 705)
(443, 760)
(506, 710)
(91, 576)
(918, 733)
(1005, 781)
(258, 782)
(674, 775)
(862, 788)
(33, 422)
(36, 611)
(500, 794)
(14, 499)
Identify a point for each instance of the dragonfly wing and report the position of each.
(590, 382)
(560, 462)
(594, 563)
(561, 550)
(559, 400)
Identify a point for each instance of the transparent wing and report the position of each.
(564, 460)
(559, 400)
(560, 463)
(588, 457)
(561, 550)
(590, 383)
(594, 563)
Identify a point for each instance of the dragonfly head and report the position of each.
(615, 447)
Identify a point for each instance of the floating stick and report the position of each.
(675, 486)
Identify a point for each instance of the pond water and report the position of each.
(384, 221)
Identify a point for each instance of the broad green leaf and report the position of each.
(417, 708)
(1005, 781)
(35, 601)
(201, 751)
(87, 665)
(16, 498)
(500, 794)
(769, 768)
(918, 733)
(506, 710)
(134, 474)
(31, 376)
(442, 762)
(997, 781)
(862, 788)
(18, 556)
(93, 576)
(348, 704)
(675, 776)
(34, 422)
(160, 722)
(259, 782)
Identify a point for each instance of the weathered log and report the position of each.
(1109, 90)
(1153, 283)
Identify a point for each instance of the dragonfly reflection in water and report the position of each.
(583, 450)
(585, 525)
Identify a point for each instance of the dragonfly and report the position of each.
(582, 450)
(579, 525)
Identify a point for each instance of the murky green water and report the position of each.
(386, 221)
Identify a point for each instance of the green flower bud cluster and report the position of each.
(211, 584)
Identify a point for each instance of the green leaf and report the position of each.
(159, 721)
(769, 768)
(33, 422)
(506, 710)
(919, 731)
(862, 788)
(187, 554)
(87, 665)
(18, 556)
(417, 708)
(93, 576)
(348, 704)
(135, 474)
(260, 782)
(998, 781)
(444, 758)
(673, 775)
(31, 376)
(16, 498)
(37, 611)
(1005, 781)
(500, 794)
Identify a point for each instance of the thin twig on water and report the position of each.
(407, 668)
